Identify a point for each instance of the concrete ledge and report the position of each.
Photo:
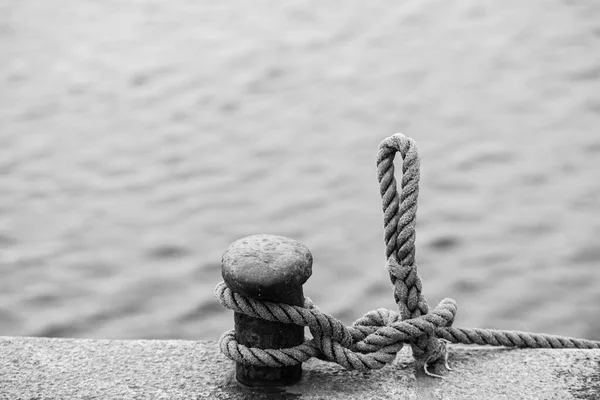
(42, 368)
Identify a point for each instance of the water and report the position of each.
(139, 139)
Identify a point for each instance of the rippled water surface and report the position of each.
(139, 139)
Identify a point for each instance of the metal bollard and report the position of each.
(271, 268)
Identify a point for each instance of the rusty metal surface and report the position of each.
(271, 268)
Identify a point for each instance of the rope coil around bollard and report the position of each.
(375, 339)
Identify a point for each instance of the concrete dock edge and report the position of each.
(44, 368)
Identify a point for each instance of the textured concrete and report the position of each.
(41, 368)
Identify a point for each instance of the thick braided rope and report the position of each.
(493, 337)
(374, 340)
(370, 343)
(399, 220)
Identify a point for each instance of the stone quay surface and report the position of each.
(45, 368)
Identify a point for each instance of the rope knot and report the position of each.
(371, 342)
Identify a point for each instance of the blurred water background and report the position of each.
(138, 139)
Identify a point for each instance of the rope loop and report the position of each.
(399, 221)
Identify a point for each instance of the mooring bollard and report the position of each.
(271, 268)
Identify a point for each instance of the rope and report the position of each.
(374, 340)
(399, 220)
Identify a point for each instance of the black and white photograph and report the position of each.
(299, 199)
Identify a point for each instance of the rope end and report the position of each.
(434, 360)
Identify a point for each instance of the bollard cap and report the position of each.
(267, 267)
